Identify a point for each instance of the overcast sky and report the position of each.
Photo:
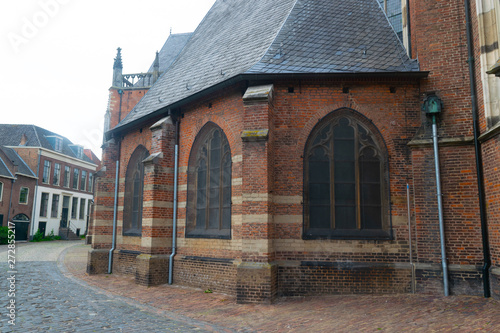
(56, 57)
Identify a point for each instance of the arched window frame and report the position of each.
(366, 138)
(134, 190)
(21, 218)
(209, 211)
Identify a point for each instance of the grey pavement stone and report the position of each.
(48, 301)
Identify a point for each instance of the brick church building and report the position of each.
(287, 148)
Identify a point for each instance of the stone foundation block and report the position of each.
(98, 261)
(151, 270)
(460, 282)
(495, 283)
(256, 282)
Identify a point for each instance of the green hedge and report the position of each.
(4, 234)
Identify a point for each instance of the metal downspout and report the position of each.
(440, 206)
(13, 180)
(174, 227)
(477, 148)
(113, 244)
(33, 213)
(410, 240)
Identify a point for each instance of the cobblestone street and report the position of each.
(54, 294)
(48, 301)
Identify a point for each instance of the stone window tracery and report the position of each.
(345, 182)
(209, 185)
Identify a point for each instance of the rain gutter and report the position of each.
(174, 226)
(479, 163)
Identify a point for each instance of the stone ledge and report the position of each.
(164, 121)
(491, 133)
(442, 142)
(258, 94)
(255, 135)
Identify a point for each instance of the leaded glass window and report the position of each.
(134, 187)
(345, 190)
(23, 195)
(209, 185)
(57, 174)
(46, 172)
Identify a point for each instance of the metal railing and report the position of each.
(140, 79)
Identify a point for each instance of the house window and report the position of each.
(67, 176)
(82, 208)
(134, 186)
(55, 205)
(56, 142)
(76, 173)
(23, 195)
(91, 181)
(57, 174)
(46, 172)
(83, 181)
(74, 207)
(1, 191)
(345, 185)
(44, 204)
(58, 145)
(209, 185)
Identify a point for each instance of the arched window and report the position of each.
(209, 185)
(345, 185)
(21, 218)
(134, 186)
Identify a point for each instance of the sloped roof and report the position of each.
(12, 134)
(168, 53)
(276, 37)
(12, 164)
(16, 160)
(4, 170)
(345, 36)
(93, 157)
(171, 49)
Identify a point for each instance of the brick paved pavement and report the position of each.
(49, 301)
(174, 305)
(399, 313)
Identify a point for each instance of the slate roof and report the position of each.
(171, 49)
(348, 36)
(11, 135)
(11, 163)
(169, 52)
(4, 170)
(255, 37)
(22, 167)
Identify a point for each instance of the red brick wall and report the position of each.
(439, 41)
(290, 117)
(491, 156)
(273, 171)
(460, 207)
(206, 273)
(129, 99)
(16, 207)
(61, 175)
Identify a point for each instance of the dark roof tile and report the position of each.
(280, 36)
(12, 134)
(15, 159)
